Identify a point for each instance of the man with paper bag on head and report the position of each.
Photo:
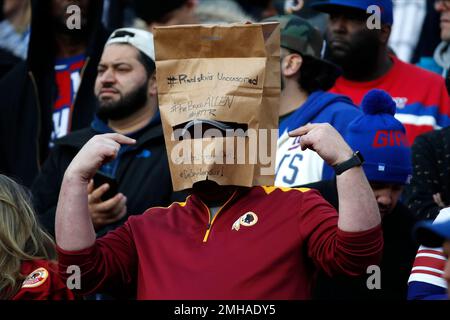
(235, 236)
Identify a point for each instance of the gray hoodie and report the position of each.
(442, 56)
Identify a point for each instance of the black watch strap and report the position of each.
(355, 161)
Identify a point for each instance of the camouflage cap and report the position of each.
(299, 35)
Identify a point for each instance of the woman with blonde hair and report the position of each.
(27, 253)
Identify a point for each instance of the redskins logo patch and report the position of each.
(36, 278)
(247, 220)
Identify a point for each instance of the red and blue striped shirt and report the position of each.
(422, 99)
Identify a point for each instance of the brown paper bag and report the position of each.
(218, 90)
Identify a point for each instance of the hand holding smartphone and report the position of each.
(101, 178)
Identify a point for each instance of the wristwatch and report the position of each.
(355, 161)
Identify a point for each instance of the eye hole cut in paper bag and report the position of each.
(218, 91)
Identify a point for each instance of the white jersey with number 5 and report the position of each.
(295, 167)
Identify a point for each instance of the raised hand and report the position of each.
(325, 140)
(99, 150)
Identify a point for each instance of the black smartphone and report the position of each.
(101, 178)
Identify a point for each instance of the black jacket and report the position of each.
(431, 175)
(398, 256)
(7, 61)
(29, 90)
(142, 174)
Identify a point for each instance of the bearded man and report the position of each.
(126, 91)
(367, 62)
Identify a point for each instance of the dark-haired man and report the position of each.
(50, 94)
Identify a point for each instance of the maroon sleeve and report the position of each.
(333, 250)
(109, 265)
(52, 287)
